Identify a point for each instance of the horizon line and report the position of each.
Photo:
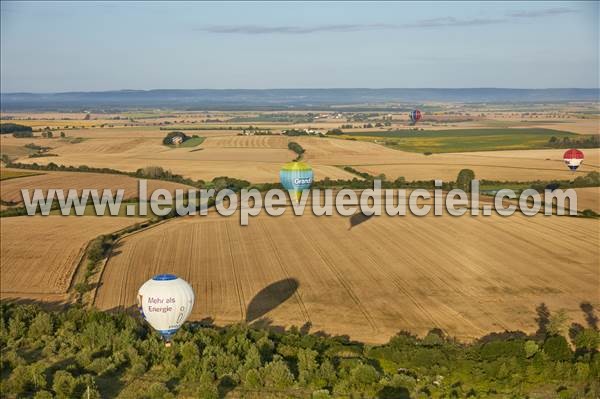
(299, 88)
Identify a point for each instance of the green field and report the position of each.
(463, 140)
(14, 174)
(192, 142)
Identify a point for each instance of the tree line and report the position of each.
(297, 148)
(83, 353)
(591, 141)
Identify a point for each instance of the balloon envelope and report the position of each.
(295, 177)
(573, 158)
(415, 116)
(165, 302)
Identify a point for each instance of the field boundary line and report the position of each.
(82, 255)
(110, 251)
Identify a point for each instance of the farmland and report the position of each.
(368, 281)
(11, 188)
(374, 279)
(7, 174)
(40, 254)
(462, 140)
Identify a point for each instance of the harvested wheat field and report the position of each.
(40, 253)
(11, 189)
(588, 198)
(130, 154)
(521, 165)
(246, 142)
(516, 165)
(467, 275)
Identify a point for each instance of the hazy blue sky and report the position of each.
(103, 46)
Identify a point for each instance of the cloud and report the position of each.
(300, 30)
(293, 30)
(451, 21)
(424, 23)
(546, 12)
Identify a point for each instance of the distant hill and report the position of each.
(282, 98)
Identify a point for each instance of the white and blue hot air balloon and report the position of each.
(165, 302)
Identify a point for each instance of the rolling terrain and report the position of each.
(468, 275)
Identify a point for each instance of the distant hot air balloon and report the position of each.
(165, 302)
(573, 158)
(415, 116)
(296, 177)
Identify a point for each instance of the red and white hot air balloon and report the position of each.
(415, 116)
(573, 158)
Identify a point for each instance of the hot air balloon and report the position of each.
(295, 177)
(573, 158)
(165, 301)
(415, 116)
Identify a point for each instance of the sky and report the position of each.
(95, 46)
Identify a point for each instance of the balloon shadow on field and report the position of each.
(270, 297)
(358, 218)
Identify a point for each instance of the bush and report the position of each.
(531, 348)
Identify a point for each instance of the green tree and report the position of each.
(278, 375)
(64, 384)
(252, 359)
(363, 376)
(307, 366)
(41, 325)
(6, 128)
(587, 339)
(88, 387)
(158, 390)
(208, 388)
(557, 348)
(252, 379)
(43, 394)
(19, 381)
(327, 373)
(463, 180)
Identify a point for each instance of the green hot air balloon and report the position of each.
(295, 177)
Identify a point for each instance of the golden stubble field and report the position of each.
(40, 253)
(517, 165)
(259, 158)
(10, 190)
(254, 158)
(466, 275)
